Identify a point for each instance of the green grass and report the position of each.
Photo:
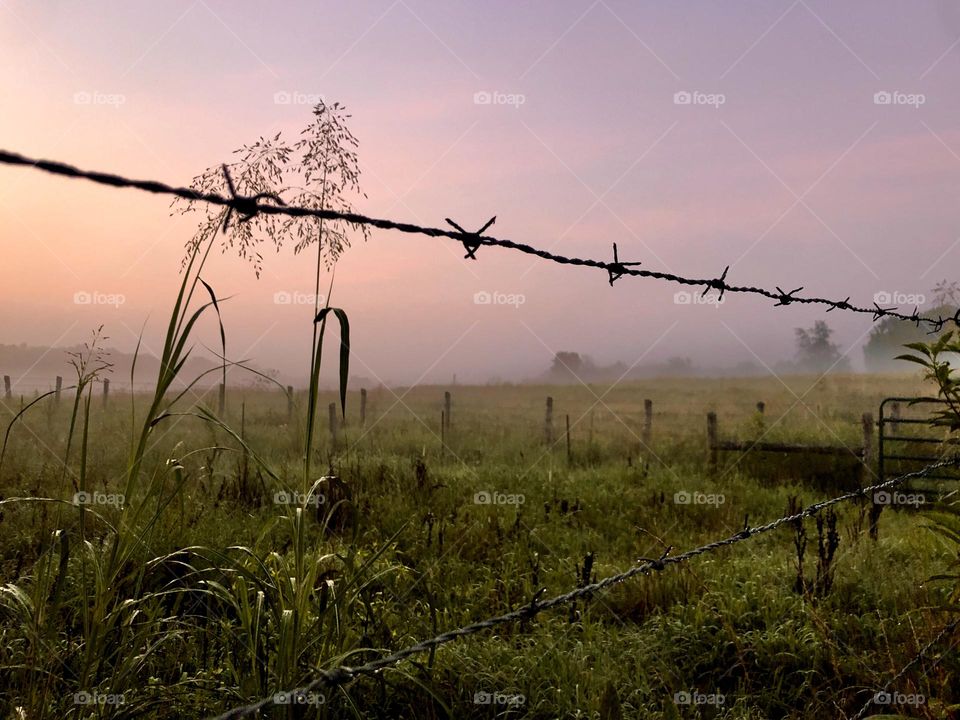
(223, 596)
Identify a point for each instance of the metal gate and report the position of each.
(904, 444)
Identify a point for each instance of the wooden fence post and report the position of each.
(569, 456)
(548, 422)
(7, 393)
(647, 420)
(332, 411)
(895, 415)
(106, 390)
(289, 403)
(363, 406)
(761, 406)
(712, 440)
(447, 402)
(59, 388)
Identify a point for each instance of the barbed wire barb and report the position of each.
(719, 283)
(618, 269)
(788, 297)
(247, 206)
(471, 246)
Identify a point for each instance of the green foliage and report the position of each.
(224, 599)
(929, 356)
(936, 369)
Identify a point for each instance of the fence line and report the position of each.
(343, 674)
(249, 206)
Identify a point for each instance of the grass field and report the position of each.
(205, 586)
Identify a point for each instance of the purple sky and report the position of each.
(783, 166)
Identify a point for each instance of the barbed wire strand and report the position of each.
(248, 207)
(948, 629)
(343, 675)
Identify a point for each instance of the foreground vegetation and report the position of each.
(222, 576)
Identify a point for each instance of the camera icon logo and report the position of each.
(881, 497)
(482, 298)
(482, 498)
(882, 98)
(482, 98)
(882, 698)
(282, 298)
(682, 98)
(682, 698)
(282, 98)
(882, 298)
(682, 297)
(682, 498)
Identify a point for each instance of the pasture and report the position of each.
(220, 578)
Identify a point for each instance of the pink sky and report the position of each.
(798, 178)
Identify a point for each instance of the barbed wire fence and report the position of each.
(248, 207)
(342, 675)
(876, 698)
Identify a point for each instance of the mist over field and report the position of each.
(800, 143)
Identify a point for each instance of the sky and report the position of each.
(801, 142)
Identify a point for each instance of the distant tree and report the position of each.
(815, 352)
(677, 365)
(890, 334)
(567, 363)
